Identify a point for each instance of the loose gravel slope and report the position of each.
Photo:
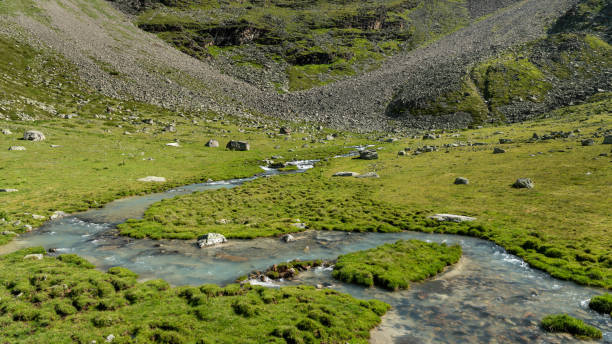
(122, 61)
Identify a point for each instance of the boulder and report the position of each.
(588, 142)
(607, 140)
(34, 256)
(212, 143)
(461, 181)
(238, 145)
(505, 141)
(498, 150)
(299, 225)
(211, 239)
(346, 174)
(170, 128)
(33, 135)
(451, 218)
(17, 148)
(6, 132)
(173, 144)
(368, 155)
(429, 137)
(277, 165)
(368, 175)
(523, 183)
(152, 179)
(288, 238)
(285, 131)
(401, 153)
(58, 215)
(8, 190)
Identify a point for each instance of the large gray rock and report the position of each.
(154, 179)
(238, 145)
(368, 155)
(451, 218)
(8, 190)
(211, 239)
(461, 181)
(212, 143)
(523, 183)
(368, 175)
(34, 135)
(288, 238)
(498, 150)
(607, 140)
(505, 141)
(17, 148)
(346, 174)
(588, 142)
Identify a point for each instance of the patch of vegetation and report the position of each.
(587, 15)
(272, 206)
(394, 266)
(602, 303)
(568, 324)
(312, 43)
(52, 301)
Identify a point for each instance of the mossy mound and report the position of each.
(65, 300)
(602, 303)
(394, 266)
(568, 324)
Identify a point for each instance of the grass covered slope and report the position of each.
(568, 324)
(561, 226)
(296, 45)
(102, 146)
(65, 300)
(394, 266)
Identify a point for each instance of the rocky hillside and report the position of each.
(571, 64)
(295, 45)
(318, 43)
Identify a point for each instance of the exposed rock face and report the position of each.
(461, 181)
(346, 174)
(523, 183)
(152, 179)
(34, 135)
(211, 239)
(452, 218)
(368, 155)
(212, 143)
(238, 145)
(17, 148)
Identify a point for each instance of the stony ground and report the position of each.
(121, 61)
